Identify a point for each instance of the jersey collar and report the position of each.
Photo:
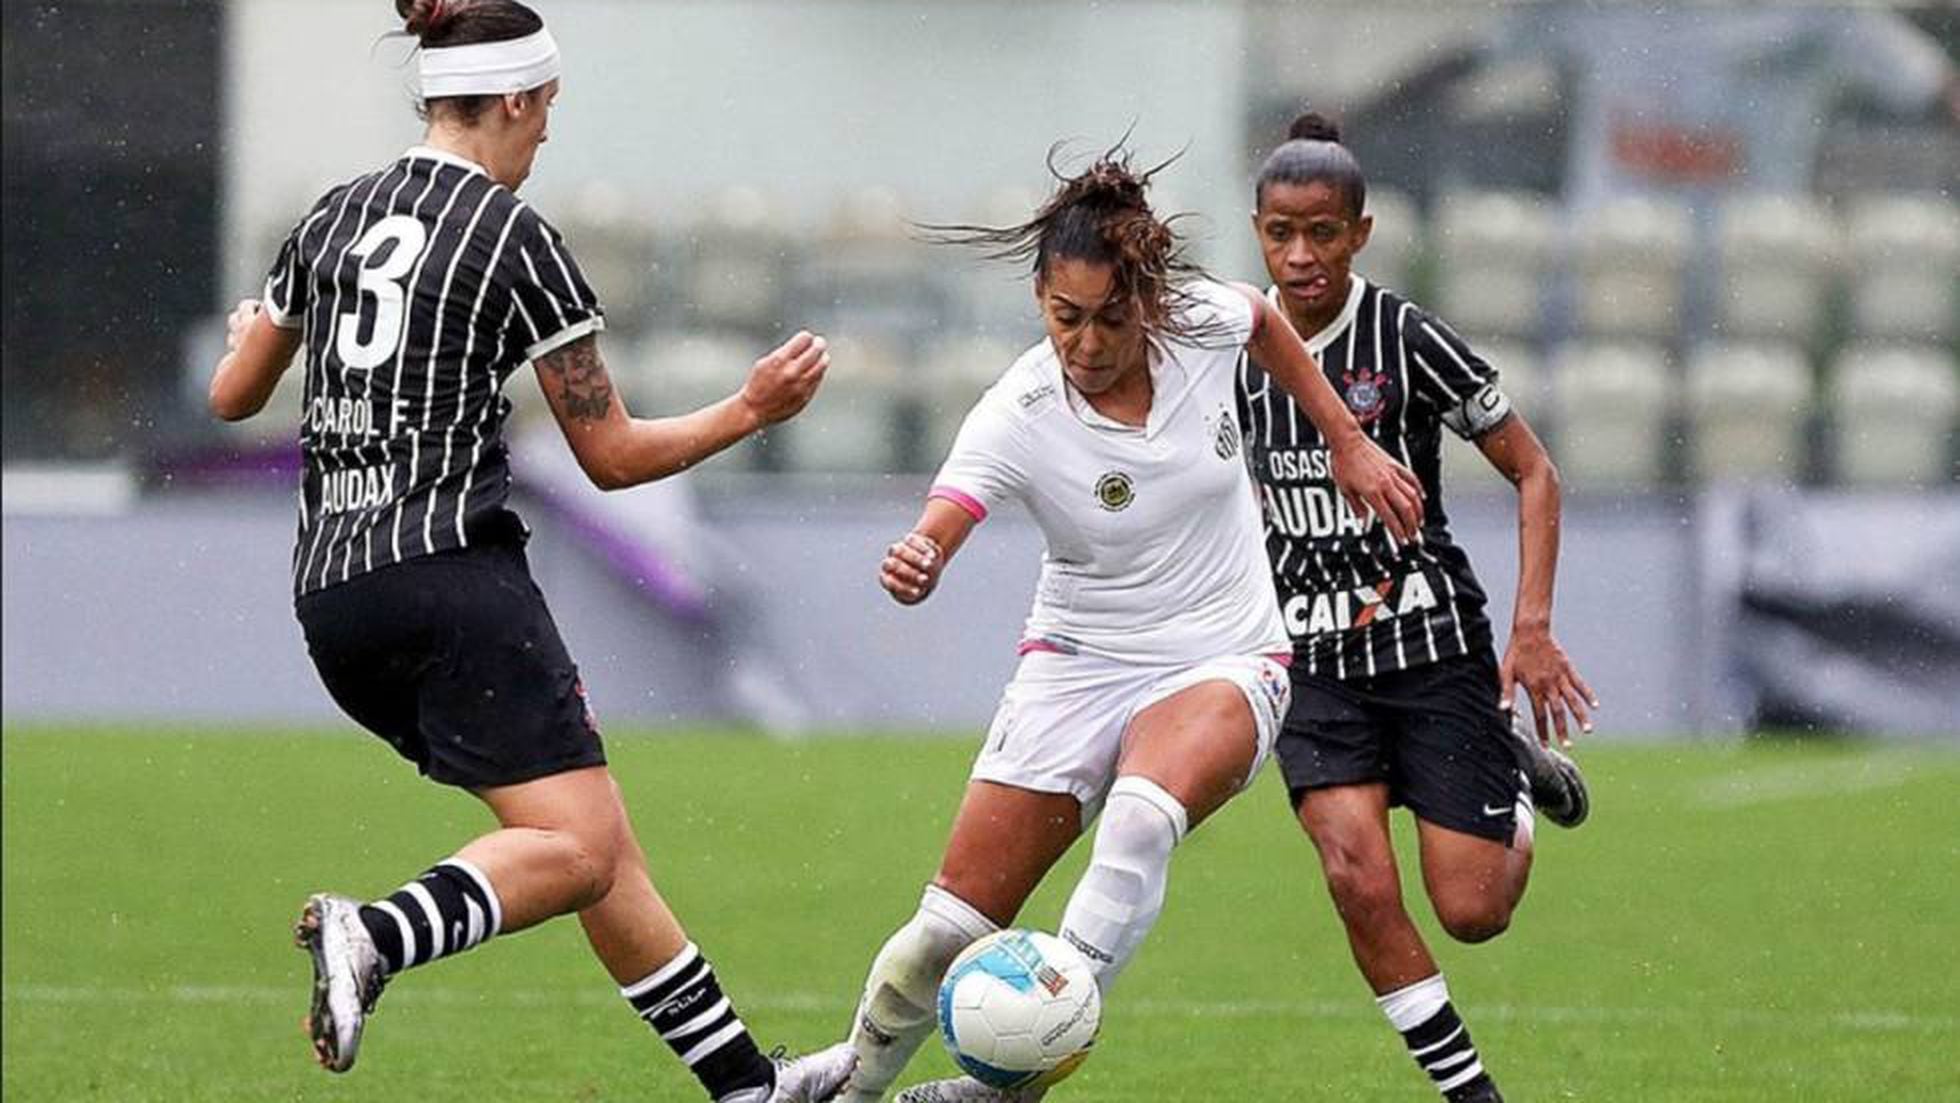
(1341, 322)
(431, 153)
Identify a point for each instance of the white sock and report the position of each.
(1121, 893)
(897, 1010)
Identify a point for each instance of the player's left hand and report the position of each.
(239, 323)
(1373, 483)
(1535, 661)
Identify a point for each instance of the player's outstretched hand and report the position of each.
(783, 382)
(911, 568)
(1374, 483)
(1535, 661)
(240, 322)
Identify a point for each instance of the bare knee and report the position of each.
(1364, 888)
(1472, 919)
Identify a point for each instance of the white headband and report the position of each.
(490, 68)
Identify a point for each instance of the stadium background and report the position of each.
(1752, 393)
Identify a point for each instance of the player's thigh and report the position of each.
(1202, 733)
(1005, 839)
(1468, 870)
(584, 803)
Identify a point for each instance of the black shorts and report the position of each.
(1433, 734)
(455, 661)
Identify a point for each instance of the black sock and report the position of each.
(1437, 1039)
(683, 1003)
(445, 911)
(1441, 1045)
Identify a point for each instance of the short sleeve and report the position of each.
(1453, 379)
(284, 300)
(988, 464)
(554, 304)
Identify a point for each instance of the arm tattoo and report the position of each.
(579, 377)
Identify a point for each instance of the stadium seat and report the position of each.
(614, 243)
(1905, 254)
(1396, 237)
(1629, 256)
(868, 273)
(1894, 409)
(996, 298)
(1748, 406)
(1777, 257)
(1493, 249)
(735, 264)
(854, 423)
(1521, 374)
(953, 373)
(1612, 402)
(677, 372)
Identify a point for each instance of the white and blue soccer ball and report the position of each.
(1019, 1009)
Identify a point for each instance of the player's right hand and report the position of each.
(1372, 482)
(240, 322)
(911, 568)
(783, 382)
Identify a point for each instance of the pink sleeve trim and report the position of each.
(961, 499)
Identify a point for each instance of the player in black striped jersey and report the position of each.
(1398, 696)
(415, 292)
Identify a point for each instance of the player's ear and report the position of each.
(1363, 228)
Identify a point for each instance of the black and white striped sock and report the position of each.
(1436, 1037)
(683, 1003)
(445, 911)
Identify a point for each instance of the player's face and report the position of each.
(1098, 340)
(1309, 237)
(531, 128)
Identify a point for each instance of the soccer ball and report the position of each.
(1019, 1009)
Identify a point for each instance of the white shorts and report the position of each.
(1060, 725)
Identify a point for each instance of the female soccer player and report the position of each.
(416, 290)
(1398, 697)
(1152, 680)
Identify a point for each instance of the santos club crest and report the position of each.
(1115, 491)
(1367, 394)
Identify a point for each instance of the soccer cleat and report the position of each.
(348, 976)
(966, 1089)
(1482, 1090)
(1558, 787)
(813, 1077)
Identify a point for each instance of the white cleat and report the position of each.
(348, 976)
(965, 1089)
(813, 1077)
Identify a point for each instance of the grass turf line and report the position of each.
(1737, 923)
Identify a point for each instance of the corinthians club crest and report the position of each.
(1225, 436)
(1115, 491)
(1366, 393)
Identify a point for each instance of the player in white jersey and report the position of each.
(1152, 677)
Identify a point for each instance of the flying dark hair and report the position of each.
(435, 24)
(1102, 215)
(1313, 152)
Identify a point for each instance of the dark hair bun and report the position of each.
(1313, 127)
(1110, 183)
(422, 18)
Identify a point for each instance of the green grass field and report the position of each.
(1768, 922)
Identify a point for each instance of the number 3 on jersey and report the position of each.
(382, 281)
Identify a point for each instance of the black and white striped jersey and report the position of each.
(1356, 603)
(419, 288)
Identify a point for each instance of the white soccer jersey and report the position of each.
(1155, 550)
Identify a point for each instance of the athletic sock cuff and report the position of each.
(689, 954)
(1156, 796)
(1415, 1004)
(962, 916)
